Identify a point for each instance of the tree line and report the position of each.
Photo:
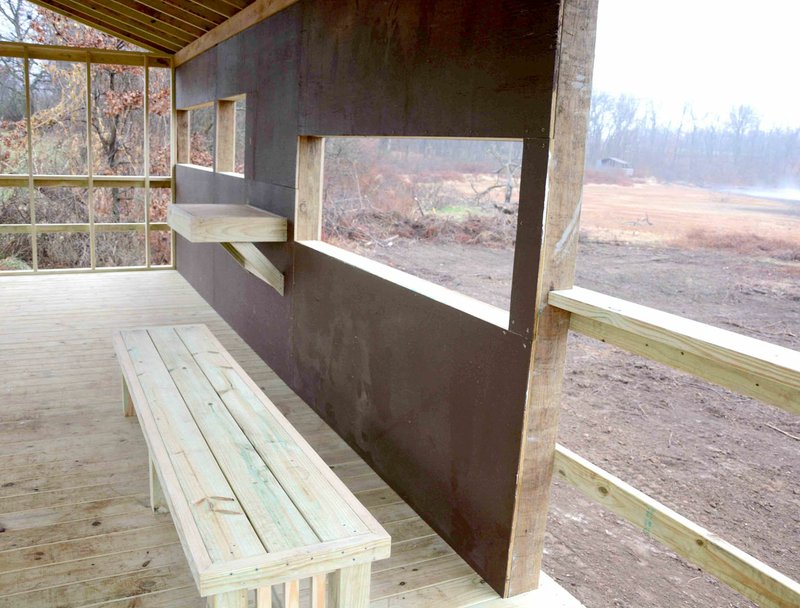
(734, 150)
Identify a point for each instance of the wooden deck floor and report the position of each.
(75, 529)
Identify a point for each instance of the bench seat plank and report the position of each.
(226, 536)
(253, 503)
(273, 515)
(328, 513)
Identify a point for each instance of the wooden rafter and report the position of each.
(161, 26)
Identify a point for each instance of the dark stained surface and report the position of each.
(432, 397)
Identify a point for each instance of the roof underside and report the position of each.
(163, 26)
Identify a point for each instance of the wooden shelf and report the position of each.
(226, 224)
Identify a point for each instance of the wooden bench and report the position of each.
(253, 504)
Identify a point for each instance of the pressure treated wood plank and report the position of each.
(275, 518)
(746, 365)
(328, 511)
(226, 533)
(740, 571)
(81, 594)
(94, 567)
(117, 535)
(226, 224)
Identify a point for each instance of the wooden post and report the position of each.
(556, 271)
(146, 163)
(225, 152)
(308, 208)
(157, 500)
(182, 136)
(127, 402)
(318, 591)
(264, 597)
(291, 594)
(349, 587)
(90, 164)
(31, 189)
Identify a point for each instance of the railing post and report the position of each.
(571, 102)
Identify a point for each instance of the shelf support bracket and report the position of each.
(256, 263)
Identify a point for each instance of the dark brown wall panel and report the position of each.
(431, 396)
(466, 68)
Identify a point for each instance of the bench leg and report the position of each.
(291, 594)
(264, 597)
(349, 587)
(127, 402)
(157, 500)
(232, 599)
(318, 591)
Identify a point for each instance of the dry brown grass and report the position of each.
(748, 244)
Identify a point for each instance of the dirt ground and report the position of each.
(715, 457)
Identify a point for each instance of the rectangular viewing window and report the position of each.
(443, 210)
(201, 136)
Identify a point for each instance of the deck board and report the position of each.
(73, 502)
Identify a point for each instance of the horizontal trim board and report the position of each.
(746, 365)
(77, 181)
(66, 53)
(737, 569)
(99, 227)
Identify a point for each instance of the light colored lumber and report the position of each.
(740, 571)
(319, 591)
(158, 502)
(127, 403)
(291, 594)
(69, 53)
(248, 256)
(264, 597)
(198, 479)
(257, 11)
(571, 101)
(746, 365)
(308, 204)
(183, 136)
(226, 224)
(349, 587)
(225, 148)
(274, 517)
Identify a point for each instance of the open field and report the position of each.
(714, 456)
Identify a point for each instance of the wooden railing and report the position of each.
(759, 369)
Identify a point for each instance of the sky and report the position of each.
(715, 54)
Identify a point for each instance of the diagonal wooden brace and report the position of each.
(252, 260)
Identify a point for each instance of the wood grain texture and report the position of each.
(550, 325)
(81, 434)
(226, 223)
(746, 365)
(742, 572)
